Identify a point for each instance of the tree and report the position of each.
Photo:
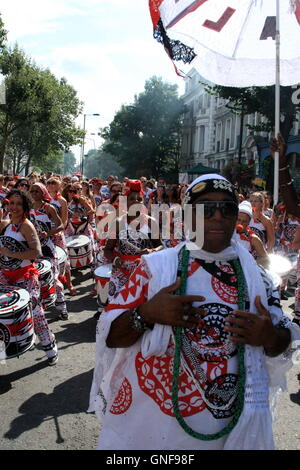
(38, 117)
(3, 33)
(101, 164)
(145, 137)
(69, 163)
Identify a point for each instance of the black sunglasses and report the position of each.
(228, 209)
(24, 184)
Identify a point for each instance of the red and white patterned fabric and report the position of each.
(136, 409)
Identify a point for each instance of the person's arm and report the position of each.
(286, 187)
(258, 330)
(270, 233)
(64, 211)
(31, 236)
(58, 225)
(296, 242)
(262, 255)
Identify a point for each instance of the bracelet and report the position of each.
(284, 168)
(116, 258)
(137, 323)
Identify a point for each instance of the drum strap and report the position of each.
(127, 257)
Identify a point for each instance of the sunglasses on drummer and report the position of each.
(228, 209)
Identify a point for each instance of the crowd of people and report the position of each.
(189, 337)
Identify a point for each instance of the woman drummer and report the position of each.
(20, 245)
(260, 223)
(80, 216)
(60, 203)
(131, 240)
(48, 223)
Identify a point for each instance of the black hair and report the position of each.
(27, 202)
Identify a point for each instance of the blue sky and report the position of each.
(104, 48)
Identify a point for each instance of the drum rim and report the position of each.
(102, 267)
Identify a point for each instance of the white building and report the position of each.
(211, 134)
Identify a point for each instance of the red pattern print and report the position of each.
(123, 400)
(225, 292)
(155, 379)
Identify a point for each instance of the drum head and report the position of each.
(43, 266)
(279, 264)
(103, 271)
(13, 299)
(77, 241)
(61, 254)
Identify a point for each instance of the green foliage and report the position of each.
(69, 163)
(3, 33)
(37, 120)
(240, 173)
(146, 136)
(100, 164)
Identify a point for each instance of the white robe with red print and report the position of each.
(132, 387)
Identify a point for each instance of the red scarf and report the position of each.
(27, 272)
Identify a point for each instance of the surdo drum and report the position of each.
(102, 277)
(16, 322)
(62, 259)
(46, 278)
(280, 265)
(80, 251)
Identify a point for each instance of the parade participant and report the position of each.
(22, 184)
(260, 223)
(19, 245)
(59, 239)
(80, 211)
(295, 245)
(3, 188)
(131, 239)
(105, 190)
(193, 371)
(97, 184)
(48, 223)
(286, 186)
(88, 194)
(247, 237)
(288, 228)
(268, 211)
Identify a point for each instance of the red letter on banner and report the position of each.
(219, 25)
(193, 6)
(297, 10)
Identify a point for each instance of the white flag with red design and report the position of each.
(234, 40)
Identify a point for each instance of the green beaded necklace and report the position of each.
(240, 355)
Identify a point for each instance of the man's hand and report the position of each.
(258, 330)
(169, 309)
(278, 145)
(249, 328)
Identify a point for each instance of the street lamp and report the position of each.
(83, 140)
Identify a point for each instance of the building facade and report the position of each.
(214, 136)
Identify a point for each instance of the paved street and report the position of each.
(45, 408)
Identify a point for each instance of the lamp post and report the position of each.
(83, 140)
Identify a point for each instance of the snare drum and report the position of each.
(16, 322)
(102, 277)
(280, 265)
(46, 278)
(80, 251)
(62, 259)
